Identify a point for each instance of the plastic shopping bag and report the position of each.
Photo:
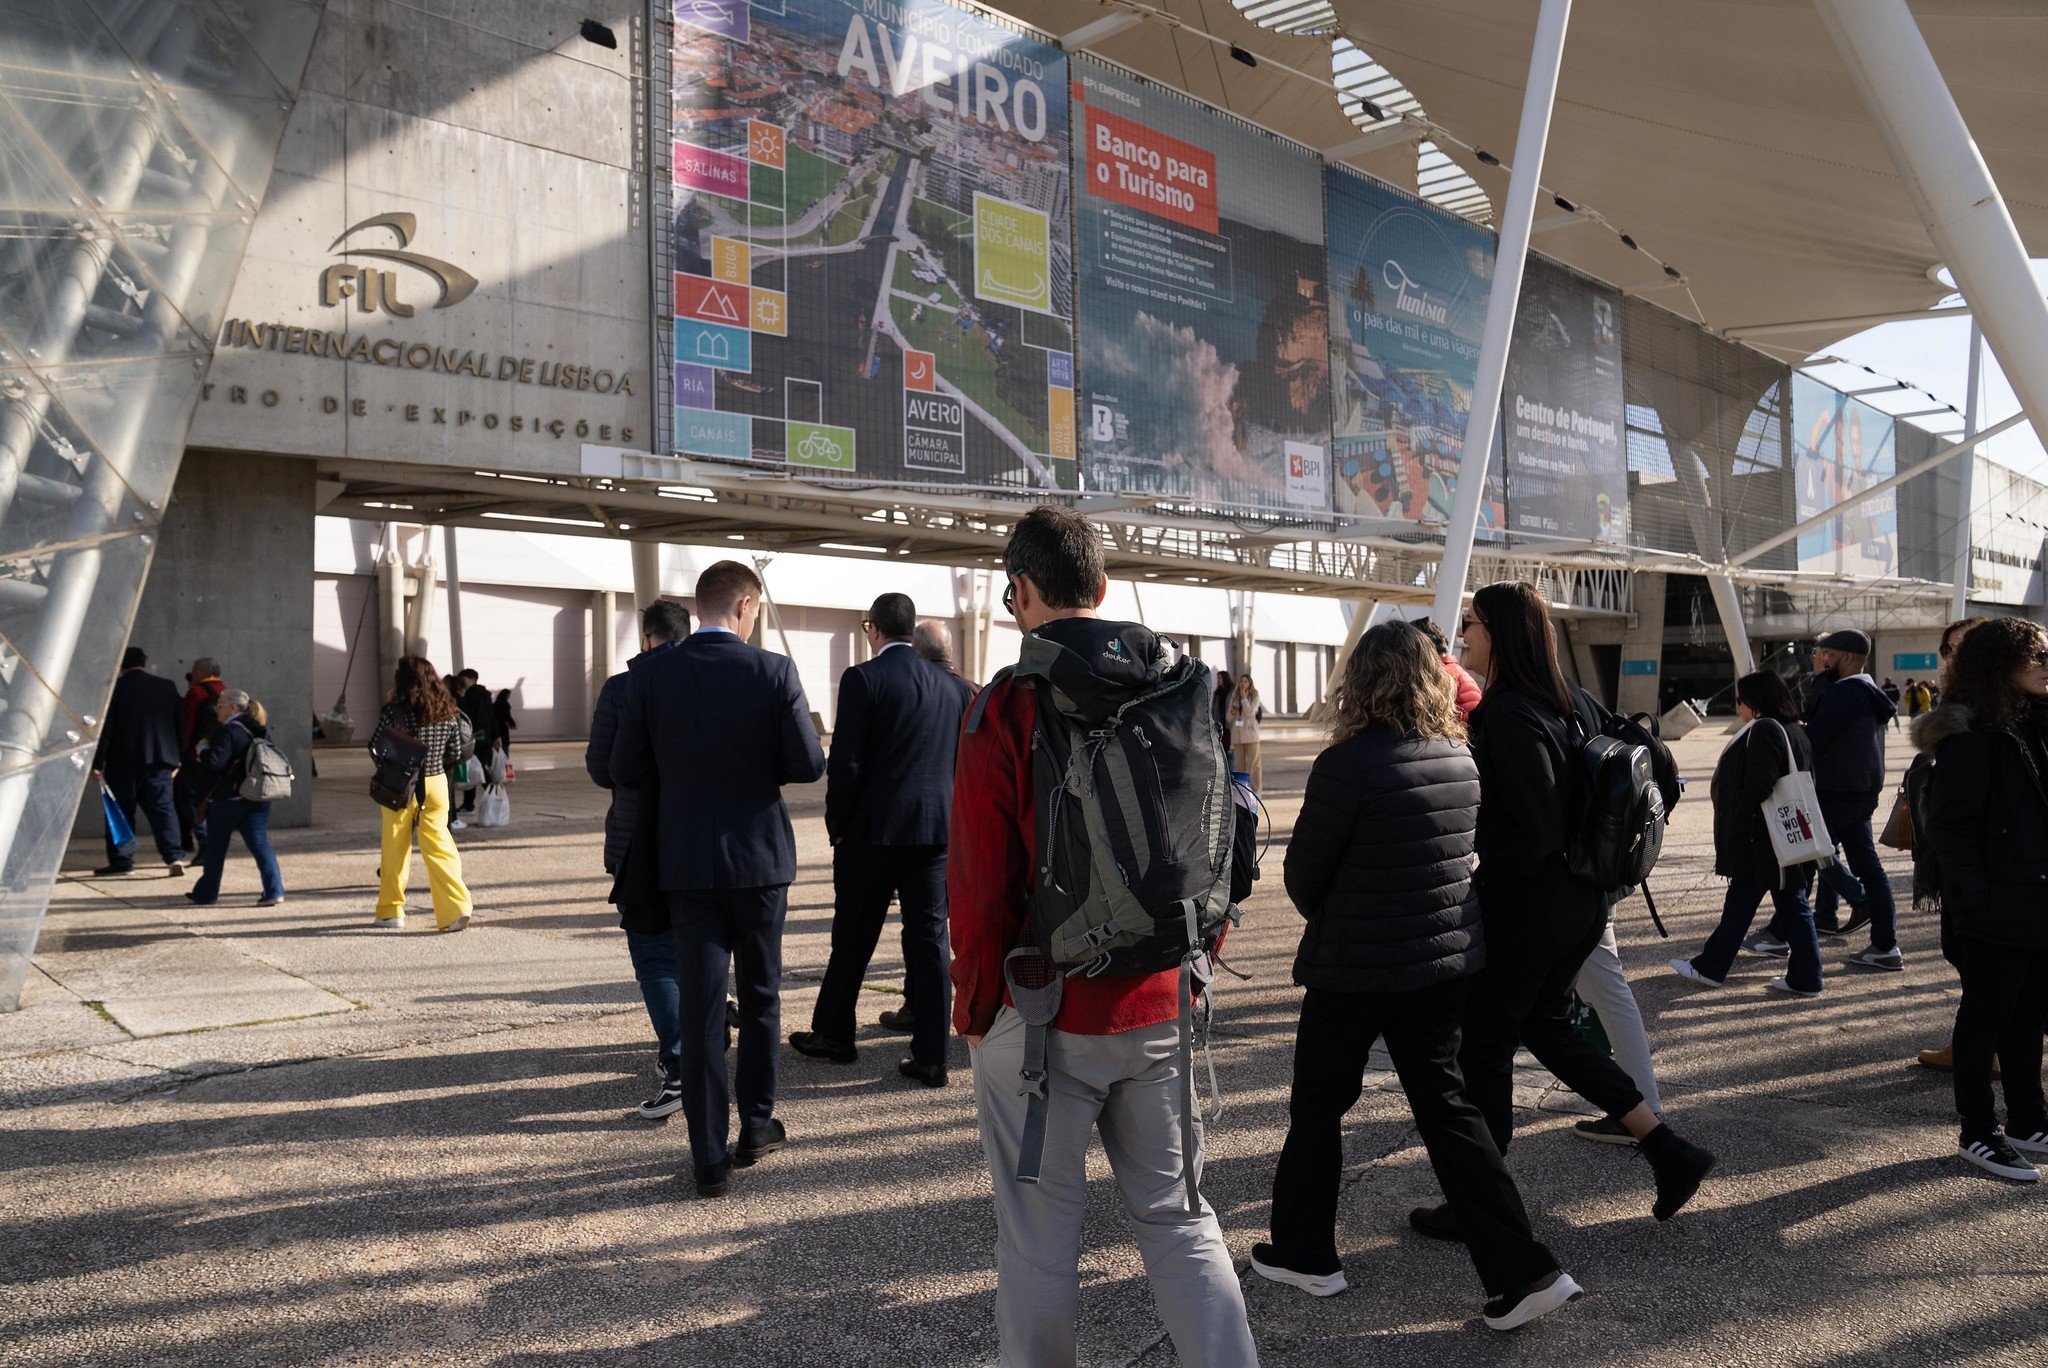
(494, 808)
(118, 830)
(495, 770)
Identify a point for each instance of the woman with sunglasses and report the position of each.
(1541, 921)
(1927, 733)
(1991, 836)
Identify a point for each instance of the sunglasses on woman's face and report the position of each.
(1468, 622)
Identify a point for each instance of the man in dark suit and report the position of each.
(137, 759)
(711, 731)
(888, 804)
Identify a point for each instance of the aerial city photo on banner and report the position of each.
(873, 270)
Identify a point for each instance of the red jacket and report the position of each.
(988, 877)
(197, 724)
(1468, 687)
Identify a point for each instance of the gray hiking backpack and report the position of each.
(266, 773)
(1134, 819)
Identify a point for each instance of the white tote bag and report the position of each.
(1792, 814)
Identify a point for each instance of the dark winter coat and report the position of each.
(1928, 731)
(1846, 724)
(597, 763)
(1381, 863)
(1531, 779)
(1991, 830)
(1743, 779)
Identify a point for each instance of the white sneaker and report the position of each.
(459, 924)
(1784, 986)
(457, 824)
(1996, 1155)
(1685, 969)
(396, 923)
(1315, 1284)
(1514, 1310)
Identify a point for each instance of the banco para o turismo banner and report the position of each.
(873, 269)
(1409, 286)
(1843, 446)
(1562, 409)
(1204, 319)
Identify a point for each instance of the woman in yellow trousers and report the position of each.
(419, 706)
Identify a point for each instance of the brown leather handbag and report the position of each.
(1898, 828)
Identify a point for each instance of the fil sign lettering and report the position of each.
(1145, 169)
(699, 168)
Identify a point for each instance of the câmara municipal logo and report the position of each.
(374, 289)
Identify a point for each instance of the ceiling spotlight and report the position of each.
(594, 32)
(1672, 271)
(1561, 202)
(1239, 54)
(1486, 157)
(1372, 111)
(1629, 243)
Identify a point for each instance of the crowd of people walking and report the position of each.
(1067, 845)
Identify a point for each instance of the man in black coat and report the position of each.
(888, 805)
(1846, 716)
(642, 916)
(475, 702)
(137, 759)
(712, 730)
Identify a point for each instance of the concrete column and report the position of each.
(454, 600)
(420, 612)
(1966, 523)
(1643, 639)
(390, 609)
(604, 646)
(1362, 611)
(646, 574)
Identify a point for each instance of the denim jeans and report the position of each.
(225, 817)
(654, 966)
(1858, 878)
(1792, 923)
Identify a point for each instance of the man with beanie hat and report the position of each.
(1846, 716)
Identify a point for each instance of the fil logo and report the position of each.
(373, 289)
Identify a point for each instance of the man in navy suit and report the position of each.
(137, 759)
(710, 731)
(888, 804)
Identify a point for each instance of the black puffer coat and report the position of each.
(1743, 779)
(1991, 831)
(1381, 865)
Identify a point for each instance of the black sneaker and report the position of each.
(2031, 1143)
(1679, 1165)
(1604, 1130)
(1513, 1310)
(1317, 1282)
(900, 1020)
(1437, 1223)
(1995, 1154)
(823, 1047)
(666, 1101)
(765, 1141)
(1890, 961)
(110, 871)
(1764, 943)
(1859, 917)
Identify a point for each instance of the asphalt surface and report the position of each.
(233, 1135)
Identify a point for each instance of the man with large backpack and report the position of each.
(1088, 882)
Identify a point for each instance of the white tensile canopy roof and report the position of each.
(1726, 138)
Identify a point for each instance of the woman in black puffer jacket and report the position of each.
(1991, 836)
(1380, 866)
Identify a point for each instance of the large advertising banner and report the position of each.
(1565, 436)
(1204, 317)
(1842, 446)
(1409, 285)
(873, 273)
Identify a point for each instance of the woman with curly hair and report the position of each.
(1380, 867)
(1991, 838)
(420, 707)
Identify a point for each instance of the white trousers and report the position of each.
(1603, 985)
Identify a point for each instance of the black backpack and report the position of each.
(400, 760)
(1134, 822)
(1619, 831)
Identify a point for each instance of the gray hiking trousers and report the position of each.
(1128, 1086)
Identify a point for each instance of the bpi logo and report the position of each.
(373, 289)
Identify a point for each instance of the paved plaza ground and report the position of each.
(234, 1136)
